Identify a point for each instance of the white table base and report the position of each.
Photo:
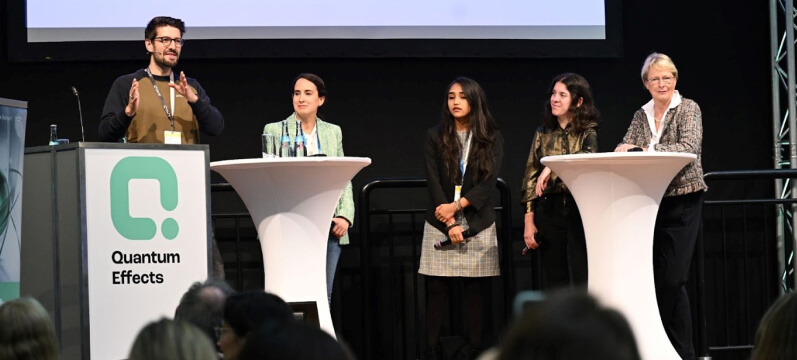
(292, 202)
(618, 195)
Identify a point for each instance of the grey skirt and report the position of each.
(476, 257)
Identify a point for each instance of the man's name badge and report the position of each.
(172, 137)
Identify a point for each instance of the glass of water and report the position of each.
(269, 146)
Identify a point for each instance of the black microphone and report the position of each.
(80, 112)
(465, 234)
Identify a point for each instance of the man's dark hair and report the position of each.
(248, 310)
(570, 326)
(292, 341)
(203, 305)
(152, 28)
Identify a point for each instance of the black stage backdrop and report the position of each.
(384, 105)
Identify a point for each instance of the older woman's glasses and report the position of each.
(667, 80)
(167, 41)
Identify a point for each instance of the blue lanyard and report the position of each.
(463, 158)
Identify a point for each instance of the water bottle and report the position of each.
(299, 149)
(285, 148)
(53, 134)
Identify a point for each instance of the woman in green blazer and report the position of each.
(321, 137)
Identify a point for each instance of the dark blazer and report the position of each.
(480, 214)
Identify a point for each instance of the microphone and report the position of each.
(465, 234)
(525, 251)
(80, 112)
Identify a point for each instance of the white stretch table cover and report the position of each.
(291, 201)
(618, 195)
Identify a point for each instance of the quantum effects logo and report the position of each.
(148, 168)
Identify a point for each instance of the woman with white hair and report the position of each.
(672, 123)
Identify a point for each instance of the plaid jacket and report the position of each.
(682, 131)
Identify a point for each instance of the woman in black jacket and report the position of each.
(463, 158)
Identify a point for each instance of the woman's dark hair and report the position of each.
(248, 310)
(584, 116)
(775, 338)
(481, 127)
(316, 80)
(293, 341)
(152, 28)
(319, 85)
(570, 326)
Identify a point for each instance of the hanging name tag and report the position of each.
(457, 192)
(172, 137)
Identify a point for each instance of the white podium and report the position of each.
(292, 201)
(618, 195)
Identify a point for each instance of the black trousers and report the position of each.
(563, 247)
(677, 227)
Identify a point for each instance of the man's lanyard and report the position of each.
(169, 113)
(463, 161)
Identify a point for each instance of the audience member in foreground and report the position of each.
(245, 312)
(171, 340)
(26, 331)
(292, 341)
(570, 326)
(203, 305)
(776, 338)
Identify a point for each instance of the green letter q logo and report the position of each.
(140, 167)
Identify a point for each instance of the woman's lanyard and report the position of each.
(169, 113)
(317, 138)
(463, 165)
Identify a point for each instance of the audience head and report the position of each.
(309, 93)
(203, 305)
(776, 337)
(245, 312)
(570, 326)
(570, 99)
(26, 331)
(171, 340)
(292, 341)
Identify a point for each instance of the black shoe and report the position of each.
(434, 353)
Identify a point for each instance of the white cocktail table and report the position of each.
(291, 201)
(618, 195)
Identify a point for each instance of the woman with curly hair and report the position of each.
(552, 221)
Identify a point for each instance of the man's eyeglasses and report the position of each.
(166, 41)
(220, 330)
(666, 80)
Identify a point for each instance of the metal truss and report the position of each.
(784, 120)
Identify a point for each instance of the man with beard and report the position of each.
(153, 105)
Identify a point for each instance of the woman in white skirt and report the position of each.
(463, 158)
